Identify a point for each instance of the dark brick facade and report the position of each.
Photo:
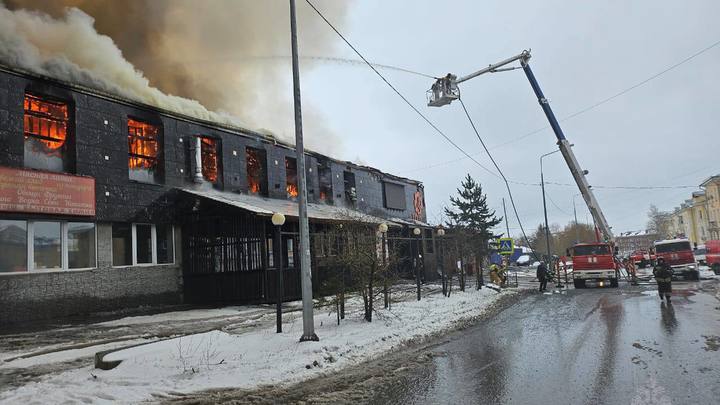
(99, 149)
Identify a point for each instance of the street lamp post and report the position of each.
(278, 220)
(416, 259)
(440, 234)
(383, 228)
(547, 227)
(305, 271)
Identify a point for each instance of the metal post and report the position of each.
(385, 271)
(441, 255)
(305, 271)
(577, 228)
(507, 224)
(417, 265)
(547, 228)
(278, 259)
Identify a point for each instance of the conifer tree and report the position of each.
(470, 221)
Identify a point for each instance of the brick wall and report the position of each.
(38, 296)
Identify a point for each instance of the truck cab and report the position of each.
(679, 255)
(641, 258)
(712, 255)
(594, 264)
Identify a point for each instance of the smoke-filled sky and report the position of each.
(230, 56)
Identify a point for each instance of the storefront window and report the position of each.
(165, 248)
(47, 243)
(13, 245)
(144, 243)
(81, 245)
(122, 244)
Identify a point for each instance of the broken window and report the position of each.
(325, 180)
(291, 178)
(45, 129)
(143, 151)
(256, 174)
(209, 158)
(350, 192)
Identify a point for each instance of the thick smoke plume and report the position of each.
(181, 55)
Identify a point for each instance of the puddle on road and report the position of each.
(712, 343)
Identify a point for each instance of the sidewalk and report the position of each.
(229, 347)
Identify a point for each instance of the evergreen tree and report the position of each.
(470, 212)
(470, 222)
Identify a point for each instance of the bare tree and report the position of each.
(360, 260)
(659, 221)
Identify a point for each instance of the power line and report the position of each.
(507, 185)
(595, 105)
(411, 105)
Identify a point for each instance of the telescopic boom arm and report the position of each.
(445, 90)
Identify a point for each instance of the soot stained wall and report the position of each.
(101, 151)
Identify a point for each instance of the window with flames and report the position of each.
(209, 158)
(46, 131)
(255, 165)
(291, 178)
(143, 150)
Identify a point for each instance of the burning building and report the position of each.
(107, 203)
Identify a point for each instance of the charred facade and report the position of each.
(180, 206)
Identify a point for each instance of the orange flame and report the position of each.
(254, 171)
(142, 144)
(209, 159)
(292, 190)
(46, 120)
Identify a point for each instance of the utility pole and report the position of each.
(507, 225)
(305, 271)
(542, 185)
(577, 228)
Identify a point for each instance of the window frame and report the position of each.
(153, 242)
(64, 256)
(157, 168)
(205, 142)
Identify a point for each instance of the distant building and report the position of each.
(690, 220)
(628, 242)
(712, 201)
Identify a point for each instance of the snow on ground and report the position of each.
(187, 315)
(218, 359)
(67, 355)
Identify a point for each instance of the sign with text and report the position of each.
(46, 193)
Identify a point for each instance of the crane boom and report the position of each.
(565, 149)
(445, 90)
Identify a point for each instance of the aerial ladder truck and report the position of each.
(592, 262)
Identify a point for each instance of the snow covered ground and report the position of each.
(219, 359)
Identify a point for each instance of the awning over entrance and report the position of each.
(268, 206)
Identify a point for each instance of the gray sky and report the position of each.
(662, 133)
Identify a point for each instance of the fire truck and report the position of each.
(593, 262)
(679, 255)
(712, 256)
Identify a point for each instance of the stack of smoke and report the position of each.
(180, 55)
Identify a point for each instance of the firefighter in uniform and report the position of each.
(495, 274)
(663, 276)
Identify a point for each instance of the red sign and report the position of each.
(46, 193)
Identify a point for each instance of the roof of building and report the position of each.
(711, 179)
(269, 206)
(225, 127)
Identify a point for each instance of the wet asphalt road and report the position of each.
(593, 346)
